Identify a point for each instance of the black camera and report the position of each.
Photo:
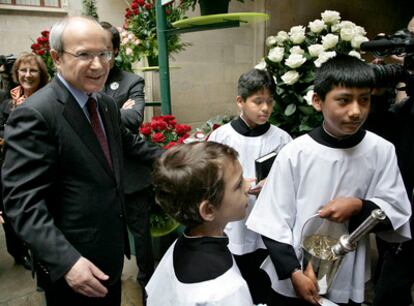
(7, 61)
(401, 43)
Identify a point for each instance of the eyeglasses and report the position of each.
(30, 71)
(90, 56)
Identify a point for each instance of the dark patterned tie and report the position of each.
(97, 129)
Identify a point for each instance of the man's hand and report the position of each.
(84, 277)
(341, 209)
(128, 104)
(306, 285)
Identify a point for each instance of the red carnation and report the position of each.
(141, 2)
(45, 33)
(136, 12)
(159, 125)
(168, 118)
(181, 129)
(40, 52)
(146, 131)
(169, 145)
(134, 5)
(35, 46)
(158, 137)
(148, 6)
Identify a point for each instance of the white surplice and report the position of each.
(242, 240)
(164, 289)
(307, 175)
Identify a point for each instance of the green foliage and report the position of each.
(89, 8)
(140, 19)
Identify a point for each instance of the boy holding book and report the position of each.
(201, 185)
(339, 171)
(252, 136)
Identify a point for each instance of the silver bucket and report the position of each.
(318, 237)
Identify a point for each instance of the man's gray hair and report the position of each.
(56, 33)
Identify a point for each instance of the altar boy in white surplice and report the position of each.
(201, 185)
(339, 171)
(252, 136)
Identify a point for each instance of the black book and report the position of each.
(263, 165)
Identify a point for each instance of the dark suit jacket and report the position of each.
(59, 191)
(121, 86)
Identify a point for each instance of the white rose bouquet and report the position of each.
(293, 58)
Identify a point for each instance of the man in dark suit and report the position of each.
(62, 174)
(127, 89)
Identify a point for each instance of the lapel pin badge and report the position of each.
(114, 85)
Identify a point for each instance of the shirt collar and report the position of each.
(242, 128)
(80, 96)
(321, 136)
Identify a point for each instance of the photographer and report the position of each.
(6, 81)
(393, 119)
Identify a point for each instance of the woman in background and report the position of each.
(30, 72)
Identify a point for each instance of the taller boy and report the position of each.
(339, 171)
(252, 136)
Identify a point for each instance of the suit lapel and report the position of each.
(80, 124)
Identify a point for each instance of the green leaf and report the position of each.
(290, 109)
(307, 110)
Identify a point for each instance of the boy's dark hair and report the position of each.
(187, 174)
(116, 38)
(253, 81)
(345, 71)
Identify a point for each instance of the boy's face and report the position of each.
(257, 108)
(235, 199)
(344, 109)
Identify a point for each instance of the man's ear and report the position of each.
(207, 211)
(55, 57)
(240, 102)
(317, 102)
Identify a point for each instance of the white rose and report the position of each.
(357, 40)
(261, 65)
(128, 51)
(347, 34)
(355, 53)
(323, 57)
(315, 50)
(276, 54)
(281, 37)
(295, 60)
(316, 26)
(308, 97)
(347, 24)
(290, 77)
(296, 50)
(270, 41)
(360, 31)
(124, 41)
(335, 28)
(297, 34)
(329, 41)
(330, 17)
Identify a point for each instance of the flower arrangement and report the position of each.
(293, 58)
(165, 132)
(128, 50)
(42, 48)
(140, 19)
